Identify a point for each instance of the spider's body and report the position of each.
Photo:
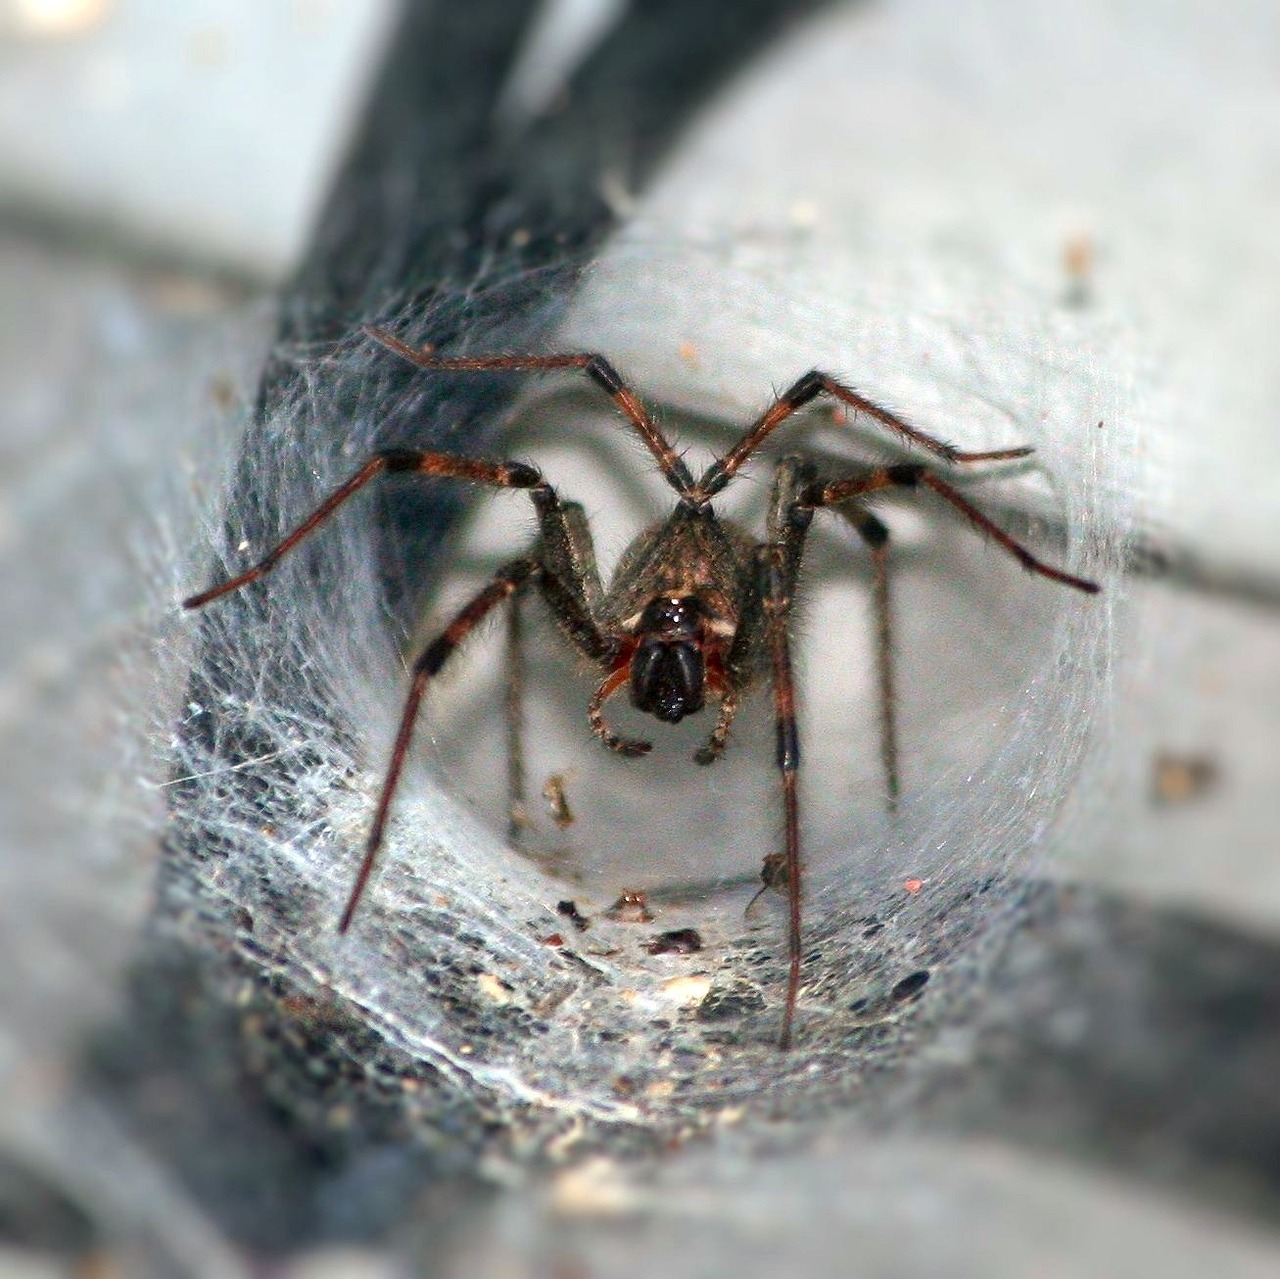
(693, 555)
(697, 609)
(673, 618)
(677, 595)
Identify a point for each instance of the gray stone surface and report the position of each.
(203, 130)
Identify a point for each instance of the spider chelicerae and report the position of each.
(697, 607)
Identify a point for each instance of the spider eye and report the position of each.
(674, 616)
(667, 680)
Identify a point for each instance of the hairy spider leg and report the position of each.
(506, 582)
(563, 566)
(627, 747)
(875, 533)
(767, 611)
(386, 461)
(772, 585)
(796, 495)
(567, 552)
(809, 387)
(596, 367)
(719, 739)
(913, 475)
(513, 705)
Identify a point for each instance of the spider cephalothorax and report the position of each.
(697, 605)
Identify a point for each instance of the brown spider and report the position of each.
(696, 607)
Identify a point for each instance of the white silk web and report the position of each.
(1004, 684)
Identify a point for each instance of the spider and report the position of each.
(697, 607)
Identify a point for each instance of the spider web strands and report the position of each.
(692, 535)
(789, 786)
(384, 965)
(796, 495)
(230, 768)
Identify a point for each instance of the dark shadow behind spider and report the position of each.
(696, 606)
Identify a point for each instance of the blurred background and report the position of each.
(161, 169)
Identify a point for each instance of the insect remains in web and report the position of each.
(698, 607)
